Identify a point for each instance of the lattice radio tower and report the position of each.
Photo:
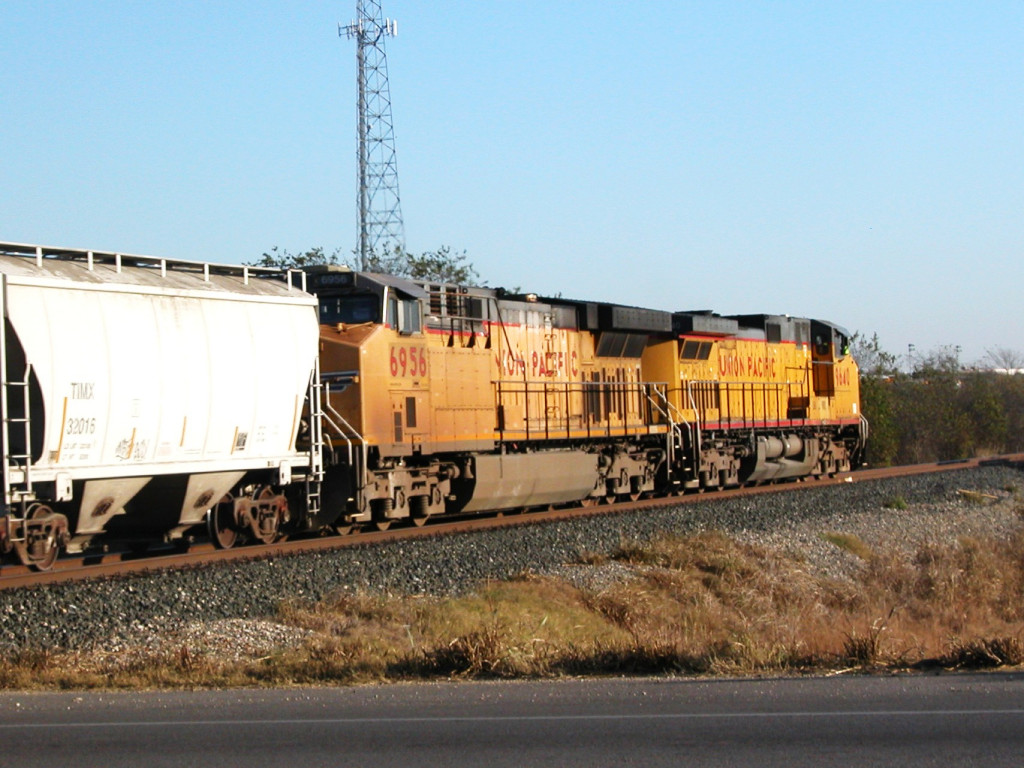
(380, 213)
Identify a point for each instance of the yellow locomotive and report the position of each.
(762, 397)
(440, 398)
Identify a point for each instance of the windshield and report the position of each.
(349, 309)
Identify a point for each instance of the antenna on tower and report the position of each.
(380, 213)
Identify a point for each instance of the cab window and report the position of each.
(404, 315)
(349, 309)
(695, 350)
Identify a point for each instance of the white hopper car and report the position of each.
(139, 393)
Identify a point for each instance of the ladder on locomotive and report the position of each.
(677, 422)
(325, 426)
(315, 475)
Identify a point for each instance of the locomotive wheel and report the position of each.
(419, 506)
(220, 522)
(380, 509)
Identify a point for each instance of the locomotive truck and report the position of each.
(148, 399)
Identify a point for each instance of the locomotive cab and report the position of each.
(368, 323)
(830, 346)
(353, 298)
(376, 372)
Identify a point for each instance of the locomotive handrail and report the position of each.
(339, 377)
(675, 418)
(330, 412)
(697, 440)
(344, 378)
(638, 392)
(747, 390)
(363, 449)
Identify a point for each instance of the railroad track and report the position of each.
(99, 566)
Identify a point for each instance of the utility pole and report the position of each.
(380, 214)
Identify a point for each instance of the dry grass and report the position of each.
(701, 604)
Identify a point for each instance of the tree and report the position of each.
(943, 361)
(871, 358)
(394, 261)
(939, 410)
(877, 397)
(1003, 359)
(276, 257)
(441, 265)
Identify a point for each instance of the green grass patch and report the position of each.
(849, 543)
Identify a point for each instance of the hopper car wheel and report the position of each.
(220, 522)
(40, 550)
(269, 524)
(589, 501)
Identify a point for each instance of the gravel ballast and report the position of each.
(113, 614)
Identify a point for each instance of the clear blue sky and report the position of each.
(857, 161)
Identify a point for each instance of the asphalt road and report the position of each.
(942, 720)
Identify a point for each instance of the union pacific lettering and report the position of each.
(510, 364)
(746, 366)
(542, 364)
(553, 363)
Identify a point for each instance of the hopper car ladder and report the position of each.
(17, 466)
(33, 531)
